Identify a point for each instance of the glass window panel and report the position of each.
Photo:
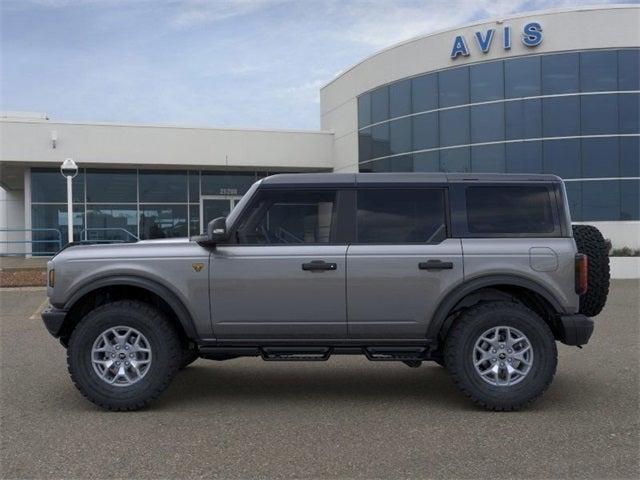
(453, 87)
(487, 81)
(401, 163)
(601, 200)
(53, 217)
(380, 140)
(226, 183)
(425, 131)
(194, 220)
(599, 71)
(560, 73)
(599, 114)
(401, 216)
(112, 186)
(629, 112)
(107, 222)
(49, 186)
(562, 158)
(630, 200)
(488, 158)
(400, 98)
(424, 93)
(630, 156)
(574, 195)
(522, 77)
(561, 116)
(523, 119)
(289, 217)
(509, 209)
(487, 123)
(163, 186)
(629, 70)
(426, 161)
(163, 221)
(364, 110)
(454, 127)
(383, 165)
(600, 157)
(455, 160)
(365, 145)
(380, 105)
(400, 135)
(524, 157)
(194, 186)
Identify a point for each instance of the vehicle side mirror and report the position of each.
(217, 230)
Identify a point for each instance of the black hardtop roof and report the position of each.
(353, 179)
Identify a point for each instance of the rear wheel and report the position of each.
(122, 355)
(590, 242)
(501, 355)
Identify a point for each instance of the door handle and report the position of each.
(435, 265)
(319, 266)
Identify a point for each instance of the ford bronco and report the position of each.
(481, 274)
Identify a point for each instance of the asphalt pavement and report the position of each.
(345, 418)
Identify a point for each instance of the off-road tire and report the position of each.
(460, 343)
(188, 357)
(165, 346)
(590, 242)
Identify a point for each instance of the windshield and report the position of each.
(241, 204)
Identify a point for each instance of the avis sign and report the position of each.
(531, 37)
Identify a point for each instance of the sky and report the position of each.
(218, 63)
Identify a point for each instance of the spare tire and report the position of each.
(590, 242)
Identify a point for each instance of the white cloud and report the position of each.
(199, 12)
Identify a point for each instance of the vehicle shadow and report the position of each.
(297, 383)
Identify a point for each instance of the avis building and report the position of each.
(548, 92)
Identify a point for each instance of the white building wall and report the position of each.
(12, 215)
(30, 141)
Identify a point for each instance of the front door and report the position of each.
(214, 206)
(401, 263)
(284, 276)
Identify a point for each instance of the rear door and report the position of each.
(401, 263)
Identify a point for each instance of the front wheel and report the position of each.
(122, 355)
(501, 355)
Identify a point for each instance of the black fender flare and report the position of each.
(458, 293)
(178, 307)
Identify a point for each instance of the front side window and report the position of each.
(288, 217)
(520, 210)
(401, 216)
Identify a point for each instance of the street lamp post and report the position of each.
(69, 169)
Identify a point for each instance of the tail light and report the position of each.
(582, 270)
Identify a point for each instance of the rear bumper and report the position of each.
(53, 319)
(575, 329)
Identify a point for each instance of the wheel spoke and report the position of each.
(509, 352)
(109, 360)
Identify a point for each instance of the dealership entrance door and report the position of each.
(214, 206)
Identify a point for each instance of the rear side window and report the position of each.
(523, 210)
(401, 216)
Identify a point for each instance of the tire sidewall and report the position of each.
(86, 333)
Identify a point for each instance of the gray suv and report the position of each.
(481, 274)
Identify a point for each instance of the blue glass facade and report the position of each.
(572, 114)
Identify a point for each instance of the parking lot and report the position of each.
(345, 418)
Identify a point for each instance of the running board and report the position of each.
(395, 354)
(295, 354)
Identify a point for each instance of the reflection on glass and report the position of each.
(163, 186)
(112, 186)
(49, 186)
(111, 222)
(163, 221)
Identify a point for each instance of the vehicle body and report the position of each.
(311, 265)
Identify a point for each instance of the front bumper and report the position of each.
(53, 319)
(575, 329)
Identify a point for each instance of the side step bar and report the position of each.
(394, 354)
(296, 354)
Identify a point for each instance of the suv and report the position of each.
(481, 274)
